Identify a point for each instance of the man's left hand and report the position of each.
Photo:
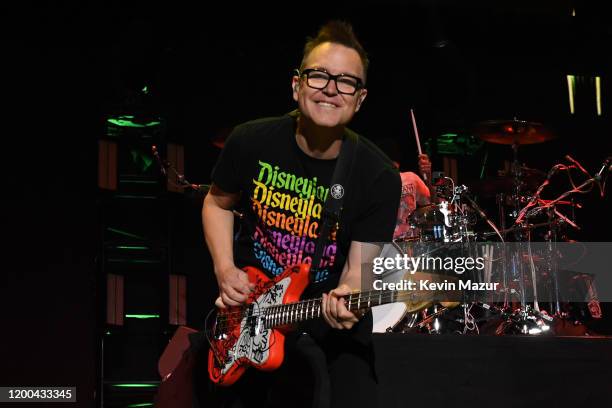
(335, 312)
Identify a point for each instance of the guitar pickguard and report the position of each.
(254, 340)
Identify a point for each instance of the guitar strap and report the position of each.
(333, 205)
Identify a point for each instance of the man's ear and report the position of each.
(295, 85)
(362, 95)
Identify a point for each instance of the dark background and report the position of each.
(66, 66)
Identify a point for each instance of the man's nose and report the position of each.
(331, 88)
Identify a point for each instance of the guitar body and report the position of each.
(239, 338)
(253, 335)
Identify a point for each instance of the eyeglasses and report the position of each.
(318, 79)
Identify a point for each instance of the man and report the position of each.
(414, 193)
(278, 170)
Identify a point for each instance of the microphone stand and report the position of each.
(182, 181)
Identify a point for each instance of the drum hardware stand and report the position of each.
(426, 323)
(552, 263)
(555, 218)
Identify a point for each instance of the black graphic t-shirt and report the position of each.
(284, 191)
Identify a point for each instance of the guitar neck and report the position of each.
(289, 313)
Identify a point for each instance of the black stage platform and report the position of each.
(490, 371)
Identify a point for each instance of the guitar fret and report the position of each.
(350, 302)
(301, 309)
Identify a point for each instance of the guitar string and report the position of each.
(366, 298)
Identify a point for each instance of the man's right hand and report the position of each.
(234, 287)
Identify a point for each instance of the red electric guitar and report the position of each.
(254, 334)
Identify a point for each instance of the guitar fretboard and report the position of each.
(289, 313)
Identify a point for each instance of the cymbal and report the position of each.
(524, 172)
(491, 186)
(514, 131)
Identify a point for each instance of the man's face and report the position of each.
(327, 107)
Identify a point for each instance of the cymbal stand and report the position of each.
(504, 255)
(555, 218)
(551, 261)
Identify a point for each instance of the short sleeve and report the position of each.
(226, 172)
(377, 221)
(422, 191)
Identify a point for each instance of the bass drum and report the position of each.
(401, 316)
(387, 317)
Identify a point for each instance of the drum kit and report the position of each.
(523, 219)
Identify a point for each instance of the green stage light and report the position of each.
(128, 121)
(135, 385)
(125, 233)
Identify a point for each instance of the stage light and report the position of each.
(598, 94)
(135, 385)
(125, 233)
(571, 89)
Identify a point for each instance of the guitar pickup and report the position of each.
(256, 323)
(251, 321)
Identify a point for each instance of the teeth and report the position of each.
(329, 105)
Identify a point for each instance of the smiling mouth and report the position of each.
(327, 105)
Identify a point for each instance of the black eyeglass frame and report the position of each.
(360, 84)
